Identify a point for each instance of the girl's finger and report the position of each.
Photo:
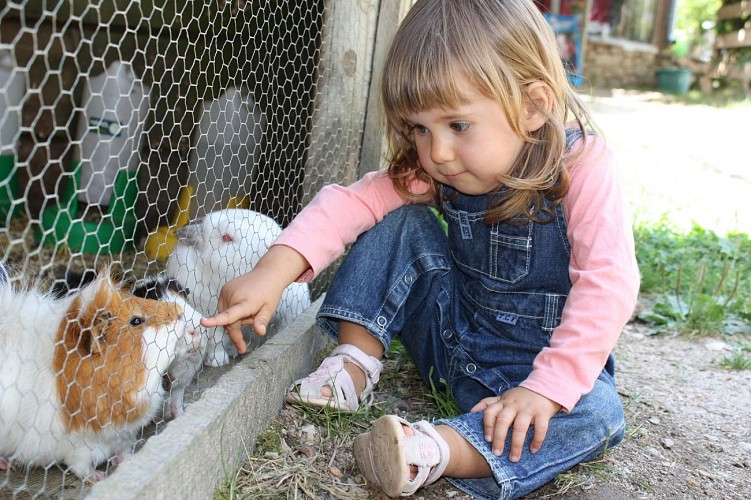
(502, 425)
(489, 419)
(483, 404)
(519, 434)
(236, 336)
(541, 430)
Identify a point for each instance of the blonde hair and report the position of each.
(498, 47)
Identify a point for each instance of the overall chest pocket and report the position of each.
(510, 249)
(500, 252)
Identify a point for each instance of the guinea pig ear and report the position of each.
(85, 332)
(100, 325)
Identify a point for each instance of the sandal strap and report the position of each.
(428, 451)
(331, 373)
(370, 365)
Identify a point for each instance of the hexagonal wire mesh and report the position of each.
(121, 122)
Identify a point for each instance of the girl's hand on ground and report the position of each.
(519, 408)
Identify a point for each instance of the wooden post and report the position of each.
(583, 30)
(339, 109)
(390, 15)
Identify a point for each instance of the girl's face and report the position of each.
(468, 147)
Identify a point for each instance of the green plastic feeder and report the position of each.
(116, 232)
(674, 80)
(8, 189)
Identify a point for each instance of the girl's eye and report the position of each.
(136, 320)
(419, 130)
(459, 126)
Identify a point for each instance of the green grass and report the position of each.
(737, 361)
(443, 399)
(724, 97)
(694, 282)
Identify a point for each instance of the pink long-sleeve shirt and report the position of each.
(602, 269)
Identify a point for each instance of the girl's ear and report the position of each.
(539, 105)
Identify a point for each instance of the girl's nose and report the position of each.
(441, 150)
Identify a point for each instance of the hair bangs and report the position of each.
(427, 80)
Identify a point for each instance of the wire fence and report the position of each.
(137, 138)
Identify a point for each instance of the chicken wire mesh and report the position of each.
(130, 130)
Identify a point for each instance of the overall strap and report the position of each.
(572, 135)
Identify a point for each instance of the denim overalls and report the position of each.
(474, 309)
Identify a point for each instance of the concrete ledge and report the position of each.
(198, 452)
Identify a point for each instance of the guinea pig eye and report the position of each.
(136, 321)
(226, 238)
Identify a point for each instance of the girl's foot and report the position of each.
(391, 453)
(331, 385)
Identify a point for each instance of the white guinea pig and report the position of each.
(82, 374)
(217, 248)
(190, 349)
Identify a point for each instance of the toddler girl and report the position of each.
(517, 308)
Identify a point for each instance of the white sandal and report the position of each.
(331, 374)
(384, 455)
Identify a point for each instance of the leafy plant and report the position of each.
(694, 281)
(694, 18)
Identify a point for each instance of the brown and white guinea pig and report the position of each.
(191, 347)
(81, 374)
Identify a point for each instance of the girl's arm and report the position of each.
(314, 239)
(604, 276)
(337, 216)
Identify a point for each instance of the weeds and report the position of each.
(728, 96)
(444, 401)
(580, 476)
(694, 282)
(337, 423)
(736, 361)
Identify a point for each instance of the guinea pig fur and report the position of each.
(82, 374)
(190, 348)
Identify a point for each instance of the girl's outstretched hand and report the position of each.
(252, 299)
(519, 408)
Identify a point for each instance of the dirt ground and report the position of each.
(689, 419)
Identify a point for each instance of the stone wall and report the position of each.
(612, 62)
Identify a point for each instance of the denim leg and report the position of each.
(396, 280)
(595, 423)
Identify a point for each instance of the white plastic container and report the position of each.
(223, 163)
(12, 88)
(110, 130)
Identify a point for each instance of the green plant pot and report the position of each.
(115, 233)
(674, 80)
(8, 188)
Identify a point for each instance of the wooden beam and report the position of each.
(734, 40)
(390, 15)
(733, 10)
(339, 110)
